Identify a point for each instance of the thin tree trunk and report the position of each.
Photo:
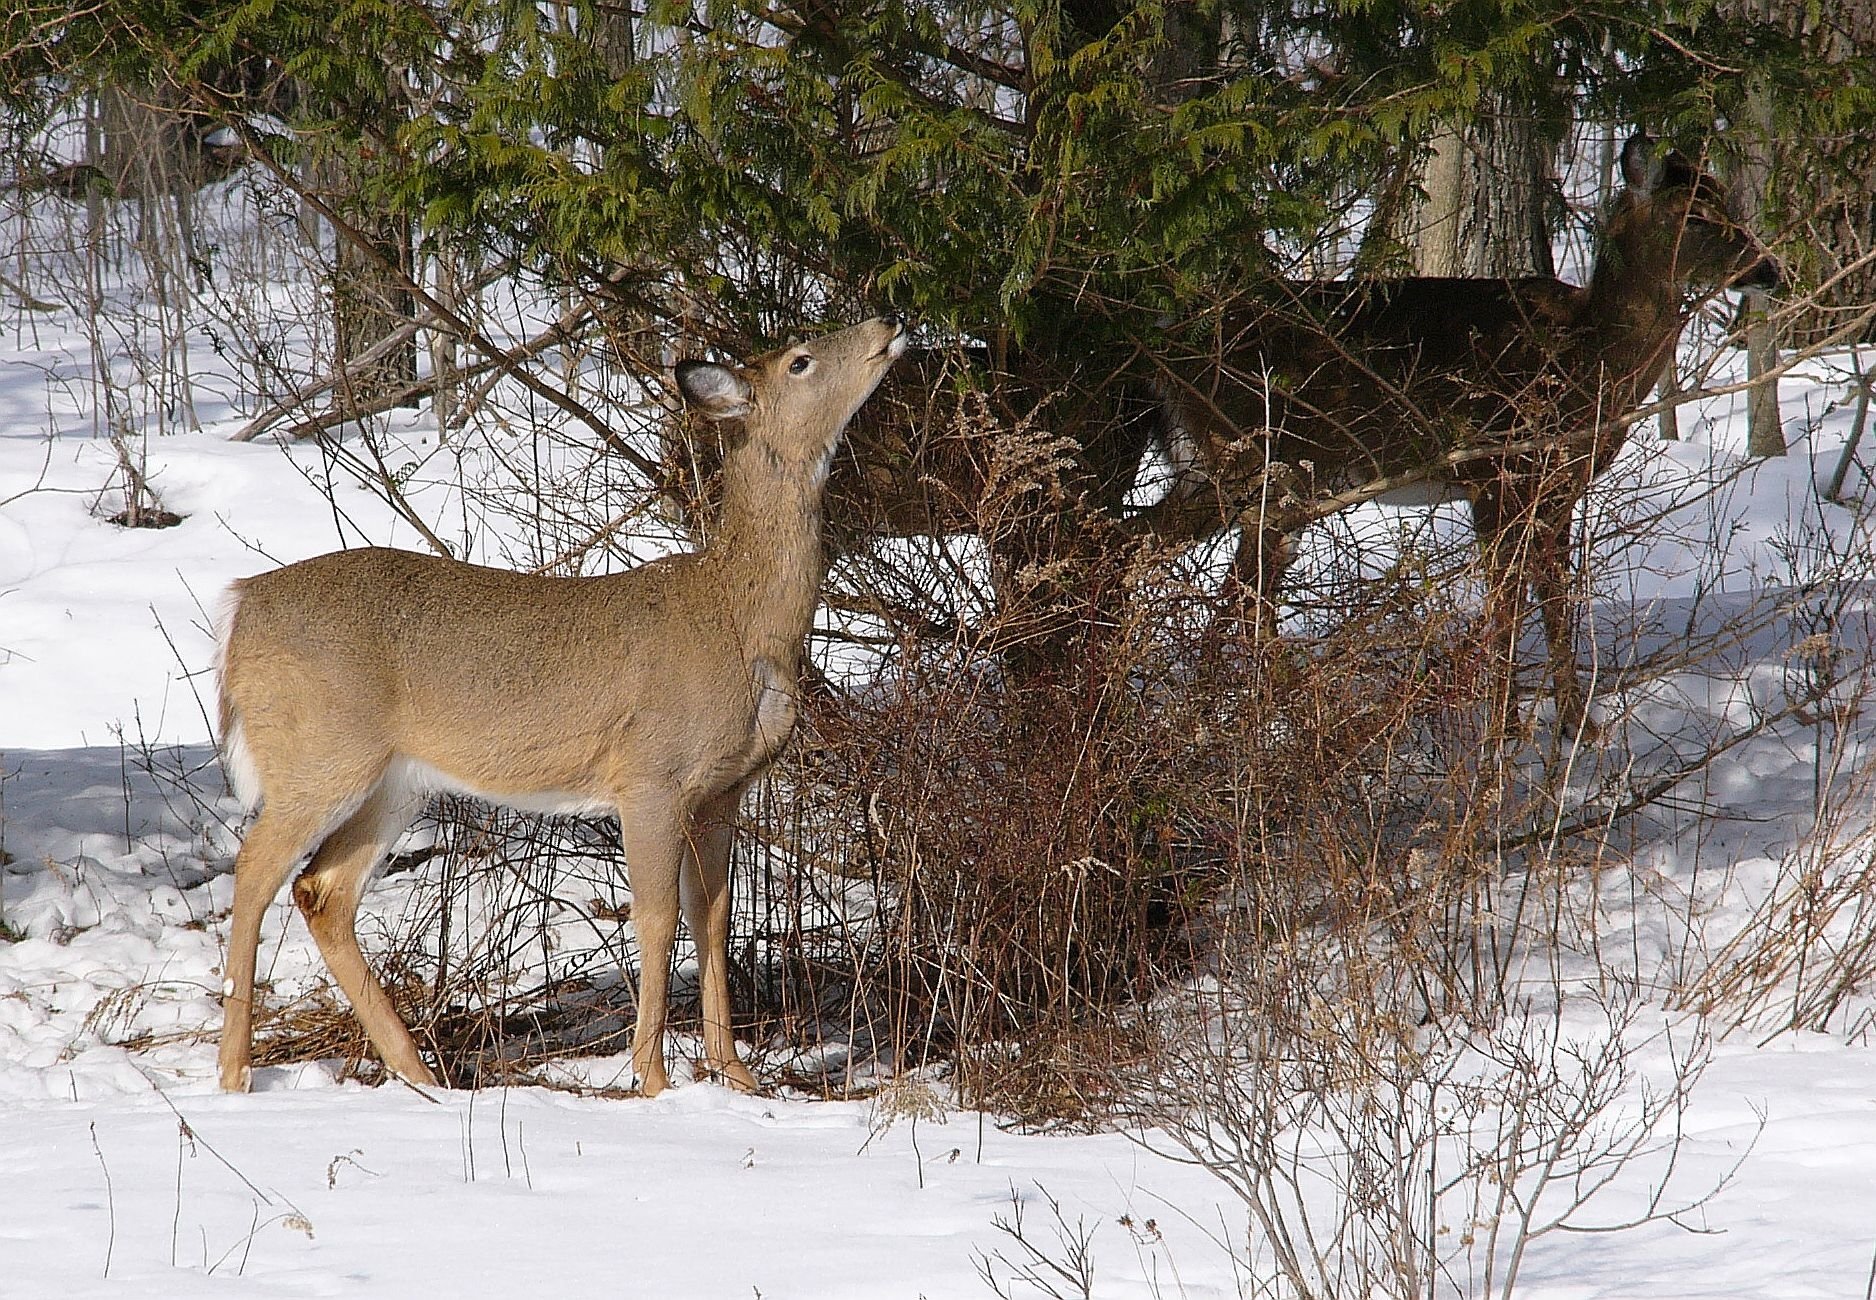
(1765, 429)
(444, 398)
(1765, 435)
(1765, 432)
(1670, 389)
(1859, 422)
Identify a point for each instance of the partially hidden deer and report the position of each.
(1514, 392)
(355, 684)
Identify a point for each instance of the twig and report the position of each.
(110, 1201)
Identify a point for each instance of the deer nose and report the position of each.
(893, 319)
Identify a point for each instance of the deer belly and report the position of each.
(1427, 492)
(419, 780)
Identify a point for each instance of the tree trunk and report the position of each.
(1484, 202)
(371, 271)
(613, 38)
(1765, 432)
(1752, 187)
(370, 302)
(1184, 63)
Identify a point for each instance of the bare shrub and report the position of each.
(1036, 845)
(1063, 1272)
(1803, 954)
(1377, 1155)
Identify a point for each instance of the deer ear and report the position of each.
(716, 391)
(1642, 164)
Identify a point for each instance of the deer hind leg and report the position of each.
(276, 841)
(328, 894)
(706, 896)
(653, 838)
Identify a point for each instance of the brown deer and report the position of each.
(1515, 392)
(355, 684)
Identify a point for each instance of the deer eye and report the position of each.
(800, 365)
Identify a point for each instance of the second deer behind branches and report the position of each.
(1515, 392)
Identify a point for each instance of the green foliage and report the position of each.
(990, 164)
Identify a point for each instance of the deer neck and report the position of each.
(764, 553)
(1631, 312)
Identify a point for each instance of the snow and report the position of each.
(126, 1172)
(698, 1193)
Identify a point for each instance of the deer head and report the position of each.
(1691, 219)
(795, 401)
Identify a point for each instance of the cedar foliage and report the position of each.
(987, 166)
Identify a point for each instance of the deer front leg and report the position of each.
(706, 894)
(1524, 541)
(1257, 569)
(652, 834)
(1550, 584)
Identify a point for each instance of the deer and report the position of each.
(354, 685)
(1515, 393)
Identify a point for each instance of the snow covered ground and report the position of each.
(124, 1172)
